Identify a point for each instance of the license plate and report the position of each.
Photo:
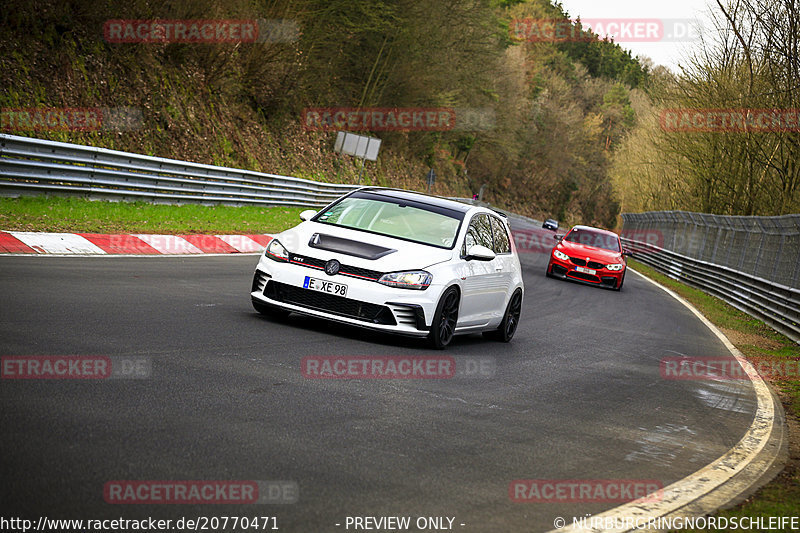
(321, 285)
(586, 270)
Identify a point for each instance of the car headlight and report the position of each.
(561, 255)
(615, 267)
(415, 279)
(276, 251)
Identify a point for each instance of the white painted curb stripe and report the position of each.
(57, 243)
(170, 244)
(692, 487)
(242, 243)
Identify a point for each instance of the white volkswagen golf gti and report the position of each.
(396, 261)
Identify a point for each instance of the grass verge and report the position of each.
(76, 215)
(758, 342)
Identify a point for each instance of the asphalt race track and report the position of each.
(577, 395)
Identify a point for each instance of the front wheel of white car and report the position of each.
(445, 319)
(505, 332)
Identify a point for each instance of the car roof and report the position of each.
(437, 201)
(591, 228)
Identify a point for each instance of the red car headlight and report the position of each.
(561, 255)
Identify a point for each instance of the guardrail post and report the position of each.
(760, 246)
(744, 249)
(733, 232)
(716, 244)
(685, 222)
(796, 274)
(778, 257)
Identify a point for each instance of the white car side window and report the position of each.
(478, 232)
(501, 242)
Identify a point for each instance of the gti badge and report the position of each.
(332, 267)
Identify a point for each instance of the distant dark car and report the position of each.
(550, 224)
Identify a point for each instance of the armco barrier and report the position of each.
(775, 304)
(35, 166)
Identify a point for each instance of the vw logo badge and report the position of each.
(332, 267)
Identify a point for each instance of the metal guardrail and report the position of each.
(35, 166)
(775, 304)
(766, 247)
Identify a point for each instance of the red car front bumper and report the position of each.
(595, 276)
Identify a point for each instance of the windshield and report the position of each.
(594, 239)
(394, 217)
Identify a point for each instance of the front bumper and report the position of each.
(368, 304)
(567, 270)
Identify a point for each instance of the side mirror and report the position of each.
(308, 214)
(558, 237)
(481, 253)
(627, 253)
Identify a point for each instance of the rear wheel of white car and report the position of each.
(269, 311)
(444, 322)
(505, 332)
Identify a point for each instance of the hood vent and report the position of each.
(360, 249)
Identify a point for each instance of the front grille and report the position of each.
(591, 264)
(586, 277)
(368, 312)
(344, 270)
(352, 271)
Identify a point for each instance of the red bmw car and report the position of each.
(589, 255)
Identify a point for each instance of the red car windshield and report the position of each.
(593, 238)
